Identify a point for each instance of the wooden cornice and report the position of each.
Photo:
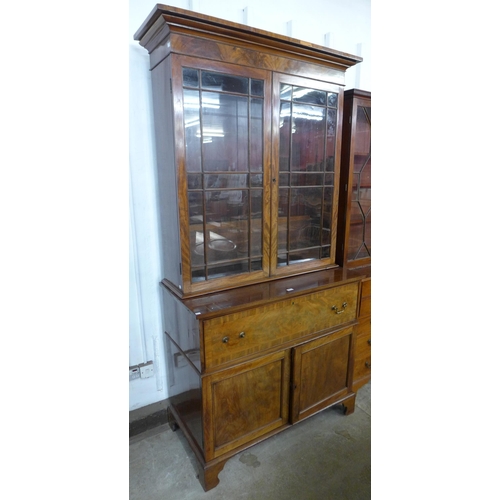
(165, 19)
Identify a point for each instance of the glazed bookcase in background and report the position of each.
(354, 243)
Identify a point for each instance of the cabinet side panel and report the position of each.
(182, 351)
(166, 167)
(188, 403)
(181, 325)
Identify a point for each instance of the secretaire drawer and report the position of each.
(232, 336)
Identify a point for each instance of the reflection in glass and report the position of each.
(224, 159)
(192, 130)
(257, 87)
(308, 119)
(309, 95)
(227, 83)
(256, 134)
(308, 137)
(190, 77)
(285, 92)
(226, 130)
(359, 245)
(332, 99)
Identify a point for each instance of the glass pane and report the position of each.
(226, 83)
(360, 224)
(313, 201)
(285, 121)
(307, 179)
(308, 137)
(308, 128)
(355, 186)
(309, 235)
(223, 205)
(221, 270)
(284, 179)
(195, 201)
(224, 154)
(225, 131)
(256, 264)
(368, 237)
(282, 259)
(190, 77)
(197, 274)
(305, 255)
(282, 234)
(237, 232)
(257, 87)
(256, 134)
(195, 181)
(256, 180)
(285, 92)
(356, 231)
(327, 207)
(332, 99)
(237, 203)
(221, 181)
(192, 130)
(311, 96)
(256, 241)
(219, 248)
(256, 202)
(366, 175)
(331, 131)
(197, 246)
(326, 236)
(283, 202)
(362, 141)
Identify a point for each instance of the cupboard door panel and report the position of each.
(321, 373)
(246, 402)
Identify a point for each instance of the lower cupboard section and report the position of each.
(245, 402)
(240, 405)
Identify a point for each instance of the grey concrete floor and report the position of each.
(324, 457)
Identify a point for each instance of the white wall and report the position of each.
(340, 24)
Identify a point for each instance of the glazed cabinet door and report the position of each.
(221, 121)
(245, 402)
(321, 373)
(356, 179)
(305, 173)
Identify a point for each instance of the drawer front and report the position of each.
(247, 332)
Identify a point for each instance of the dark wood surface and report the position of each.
(320, 373)
(189, 21)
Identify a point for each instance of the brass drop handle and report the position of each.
(337, 311)
(242, 335)
(225, 340)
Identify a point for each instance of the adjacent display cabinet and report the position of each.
(354, 242)
(261, 310)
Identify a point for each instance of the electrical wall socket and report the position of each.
(146, 369)
(134, 372)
